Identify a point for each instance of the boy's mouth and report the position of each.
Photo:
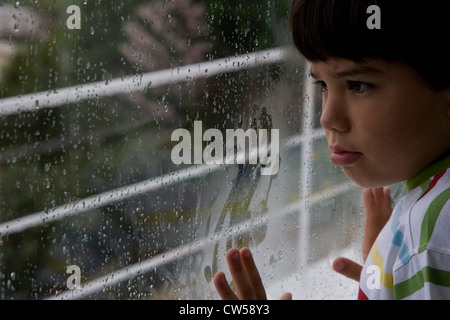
(342, 157)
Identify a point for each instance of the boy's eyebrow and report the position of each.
(355, 70)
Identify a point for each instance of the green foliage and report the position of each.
(239, 27)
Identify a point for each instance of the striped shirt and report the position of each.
(411, 257)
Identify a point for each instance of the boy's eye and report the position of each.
(323, 85)
(358, 86)
(355, 86)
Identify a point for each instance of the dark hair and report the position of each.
(410, 32)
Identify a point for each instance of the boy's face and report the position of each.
(382, 122)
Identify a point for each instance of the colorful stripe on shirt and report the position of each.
(418, 258)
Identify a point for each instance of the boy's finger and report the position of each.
(244, 288)
(377, 203)
(286, 296)
(253, 274)
(378, 194)
(369, 203)
(222, 287)
(388, 203)
(387, 193)
(347, 268)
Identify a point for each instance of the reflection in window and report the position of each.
(87, 177)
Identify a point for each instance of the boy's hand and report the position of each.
(378, 211)
(245, 276)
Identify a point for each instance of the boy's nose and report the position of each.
(334, 114)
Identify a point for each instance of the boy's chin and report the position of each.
(365, 181)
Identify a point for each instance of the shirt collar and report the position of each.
(427, 173)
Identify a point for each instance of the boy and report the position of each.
(386, 114)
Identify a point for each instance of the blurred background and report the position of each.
(86, 176)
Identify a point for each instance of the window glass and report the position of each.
(122, 172)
